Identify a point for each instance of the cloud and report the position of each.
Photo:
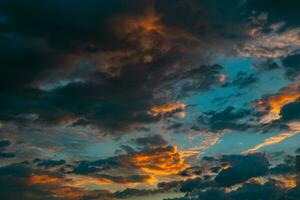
(167, 109)
(3, 153)
(273, 31)
(273, 104)
(276, 139)
(49, 163)
(281, 11)
(272, 45)
(230, 118)
(123, 59)
(4, 143)
(241, 169)
(243, 80)
(150, 140)
(292, 65)
(160, 161)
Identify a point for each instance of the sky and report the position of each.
(150, 100)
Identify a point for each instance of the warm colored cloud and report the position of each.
(295, 129)
(165, 160)
(274, 103)
(286, 182)
(167, 109)
(210, 139)
(225, 166)
(44, 179)
(80, 181)
(272, 45)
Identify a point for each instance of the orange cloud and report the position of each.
(148, 22)
(125, 180)
(287, 182)
(225, 166)
(295, 128)
(69, 193)
(166, 160)
(169, 108)
(274, 103)
(43, 179)
(271, 141)
(257, 180)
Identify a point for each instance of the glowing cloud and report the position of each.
(225, 166)
(43, 179)
(274, 103)
(84, 181)
(295, 128)
(166, 109)
(161, 161)
(286, 182)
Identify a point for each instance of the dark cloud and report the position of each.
(151, 140)
(250, 191)
(242, 168)
(50, 163)
(107, 63)
(4, 143)
(192, 171)
(208, 19)
(125, 179)
(256, 192)
(129, 192)
(227, 119)
(292, 65)
(104, 65)
(290, 111)
(266, 65)
(7, 155)
(278, 11)
(3, 153)
(243, 80)
(281, 169)
(190, 185)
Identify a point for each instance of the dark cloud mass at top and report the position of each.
(116, 59)
(156, 99)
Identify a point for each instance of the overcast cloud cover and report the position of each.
(150, 99)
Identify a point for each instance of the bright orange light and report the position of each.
(43, 179)
(150, 21)
(169, 108)
(274, 103)
(225, 166)
(165, 161)
(286, 182)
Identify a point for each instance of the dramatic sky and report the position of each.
(149, 99)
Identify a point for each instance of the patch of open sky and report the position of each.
(101, 150)
(288, 145)
(59, 84)
(221, 97)
(238, 142)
